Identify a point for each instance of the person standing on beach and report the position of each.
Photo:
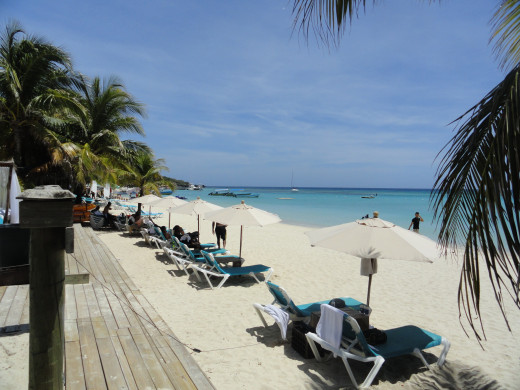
(220, 230)
(415, 222)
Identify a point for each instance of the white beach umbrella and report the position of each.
(169, 203)
(243, 215)
(196, 207)
(373, 238)
(106, 191)
(93, 188)
(146, 200)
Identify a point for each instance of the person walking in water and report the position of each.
(415, 222)
(220, 230)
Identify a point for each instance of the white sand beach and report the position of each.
(239, 353)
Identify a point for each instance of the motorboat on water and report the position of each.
(165, 191)
(220, 192)
(236, 193)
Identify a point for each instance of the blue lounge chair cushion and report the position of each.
(235, 271)
(308, 308)
(403, 340)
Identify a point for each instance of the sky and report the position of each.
(236, 97)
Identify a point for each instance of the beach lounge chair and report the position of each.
(214, 269)
(207, 247)
(295, 312)
(181, 262)
(400, 341)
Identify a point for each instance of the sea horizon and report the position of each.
(316, 207)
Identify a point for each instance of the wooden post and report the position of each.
(46, 211)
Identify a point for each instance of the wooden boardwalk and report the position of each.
(114, 338)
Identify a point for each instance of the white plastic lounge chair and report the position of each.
(213, 268)
(296, 312)
(120, 226)
(181, 262)
(146, 235)
(400, 341)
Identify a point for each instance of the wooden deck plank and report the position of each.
(175, 371)
(119, 314)
(151, 361)
(84, 254)
(124, 363)
(71, 332)
(71, 312)
(137, 365)
(92, 302)
(94, 377)
(5, 304)
(81, 301)
(104, 307)
(74, 374)
(114, 376)
(24, 320)
(13, 319)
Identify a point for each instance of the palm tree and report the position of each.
(145, 172)
(476, 195)
(35, 77)
(107, 111)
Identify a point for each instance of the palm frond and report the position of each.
(506, 35)
(325, 18)
(477, 196)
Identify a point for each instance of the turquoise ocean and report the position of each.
(321, 207)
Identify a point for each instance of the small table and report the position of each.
(362, 319)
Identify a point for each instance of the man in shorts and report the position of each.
(415, 222)
(220, 230)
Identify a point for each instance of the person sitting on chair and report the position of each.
(178, 232)
(109, 218)
(165, 233)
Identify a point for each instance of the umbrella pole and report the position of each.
(240, 253)
(369, 285)
(198, 225)
(169, 216)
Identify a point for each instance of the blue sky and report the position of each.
(235, 98)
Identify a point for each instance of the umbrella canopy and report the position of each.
(196, 207)
(243, 215)
(372, 239)
(146, 200)
(168, 202)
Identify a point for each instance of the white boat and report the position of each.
(292, 187)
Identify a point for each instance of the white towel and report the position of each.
(281, 318)
(330, 326)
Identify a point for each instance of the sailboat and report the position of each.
(292, 187)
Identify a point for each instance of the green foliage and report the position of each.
(176, 182)
(63, 128)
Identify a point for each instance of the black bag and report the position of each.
(374, 336)
(338, 303)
